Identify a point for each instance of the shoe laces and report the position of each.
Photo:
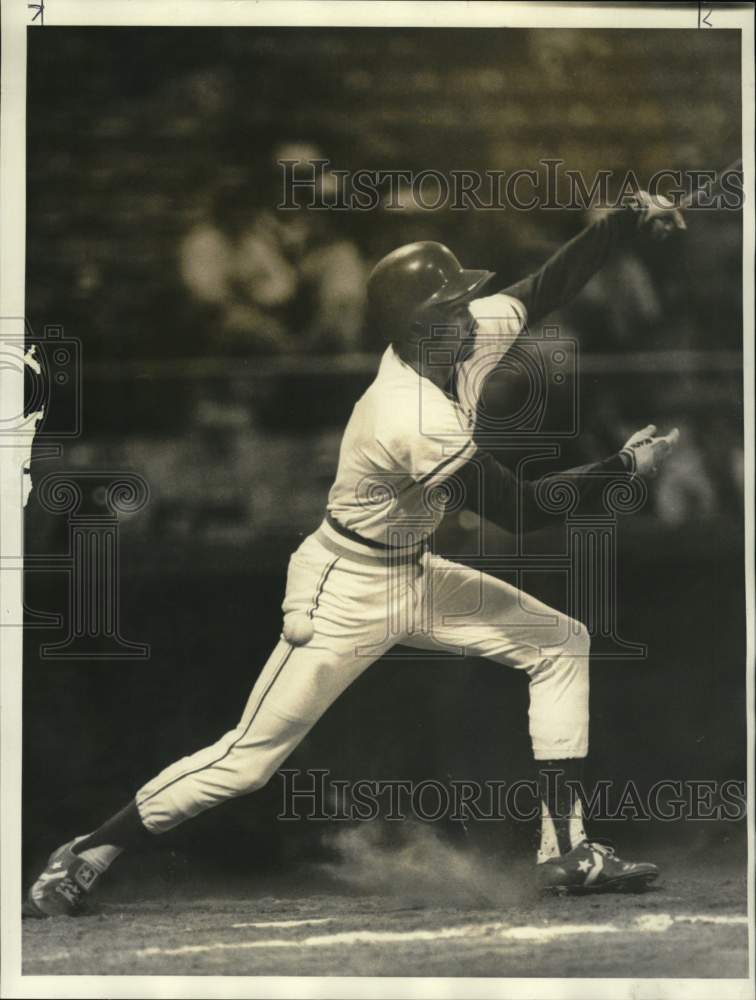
(605, 847)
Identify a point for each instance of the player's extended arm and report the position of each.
(496, 494)
(565, 273)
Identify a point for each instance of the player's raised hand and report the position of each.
(657, 215)
(646, 451)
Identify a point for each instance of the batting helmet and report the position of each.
(411, 281)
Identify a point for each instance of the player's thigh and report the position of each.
(300, 682)
(343, 607)
(471, 611)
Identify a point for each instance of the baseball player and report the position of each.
(368, 577)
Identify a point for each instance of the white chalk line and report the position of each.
(497, 929)
(286, 923)
(663, 921)
(650, 923)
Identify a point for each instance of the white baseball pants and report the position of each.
(359, 607)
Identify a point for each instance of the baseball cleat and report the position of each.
(593, 866)
(62, 888)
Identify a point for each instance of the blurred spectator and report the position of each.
(279, 281)
(620, 305)
(234, 263)
(685, 491)
(624, 292)
(721, 441)
(334, 272)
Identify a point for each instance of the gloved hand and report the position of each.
(657, 215)
(644, 452)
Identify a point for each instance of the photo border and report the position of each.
(17, 17)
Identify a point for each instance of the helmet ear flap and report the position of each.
(441, 319)
(427, 321)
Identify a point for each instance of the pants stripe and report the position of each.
(324, 576)
(205, 767)
(227, 751)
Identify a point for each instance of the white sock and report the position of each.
(549, 846)
(100, 857)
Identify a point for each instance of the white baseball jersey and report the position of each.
(406, 434)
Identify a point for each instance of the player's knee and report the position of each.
(255, 766)
(571, 667)
(253, 782)
(578, 642)
(252, 778)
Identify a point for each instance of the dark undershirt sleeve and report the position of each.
(568, 270)
(496, 494)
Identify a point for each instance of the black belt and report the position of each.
(370, 542)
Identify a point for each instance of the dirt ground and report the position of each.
(430, 912)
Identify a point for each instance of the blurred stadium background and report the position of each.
(222, 352)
